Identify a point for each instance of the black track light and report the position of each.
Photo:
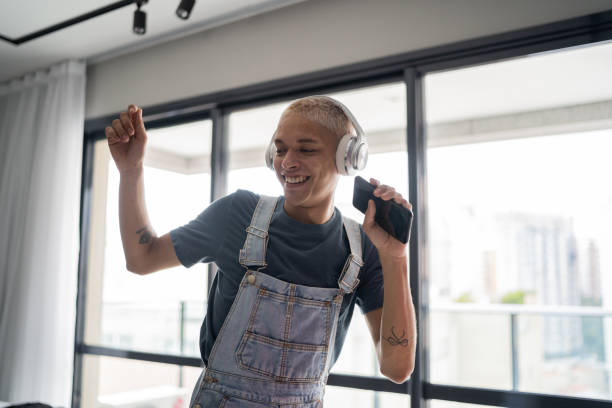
(140, 19)
(184, 9)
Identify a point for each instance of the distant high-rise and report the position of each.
(539, 254)
(592, 292)
(490, 273)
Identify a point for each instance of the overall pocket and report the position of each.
(208, 398)
(241, 403)
(287, 337)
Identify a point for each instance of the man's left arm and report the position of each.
(393, 327)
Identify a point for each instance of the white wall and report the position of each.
(306, 37)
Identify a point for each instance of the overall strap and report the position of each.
(253, 253)
(348, 278)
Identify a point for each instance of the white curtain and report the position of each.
(41, 140)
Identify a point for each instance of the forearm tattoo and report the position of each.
(396, 340)
(145, 237)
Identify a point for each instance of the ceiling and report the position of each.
(108, 35)
(567, 77)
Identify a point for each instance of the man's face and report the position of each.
(305, 161)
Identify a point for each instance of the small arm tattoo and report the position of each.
(145, 237)
(394, 340)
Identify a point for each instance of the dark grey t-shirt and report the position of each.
(304, 254)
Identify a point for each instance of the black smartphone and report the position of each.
(392, 217)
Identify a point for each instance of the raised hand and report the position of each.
(385, 243)
(127, 139)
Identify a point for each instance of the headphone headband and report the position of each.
(346, 111)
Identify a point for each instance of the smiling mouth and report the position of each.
(296, 180)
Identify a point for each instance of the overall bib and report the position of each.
(275, 346)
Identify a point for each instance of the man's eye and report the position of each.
(308, 151)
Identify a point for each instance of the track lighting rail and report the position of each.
(137, 28)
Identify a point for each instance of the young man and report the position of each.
(290, 269)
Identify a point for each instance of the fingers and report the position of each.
(136, 115)
(370, 213)
(126, 121)
(397, 197)
(125, 126)
(404, 203)
(111, 136)
(119, 130)
(385, 192)
(388, 193)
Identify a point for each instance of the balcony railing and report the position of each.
(513, 311)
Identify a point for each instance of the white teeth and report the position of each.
(294, 180)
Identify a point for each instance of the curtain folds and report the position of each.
(41, 142)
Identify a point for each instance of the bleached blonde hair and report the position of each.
(322, 111)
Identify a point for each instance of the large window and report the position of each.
(520, 209)
(156, 313)
(118, 382)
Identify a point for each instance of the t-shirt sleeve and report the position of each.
(200, 239)
(370, 294)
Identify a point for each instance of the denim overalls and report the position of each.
(275, 346)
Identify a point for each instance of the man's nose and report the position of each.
(289, 161)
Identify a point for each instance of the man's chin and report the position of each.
(294, 197)
(298, 198)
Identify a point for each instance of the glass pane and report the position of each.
(481, 339)
(519, 212)
(355, 398)
(544, 368)
(141, 383)
(160, 312)
(381, 112)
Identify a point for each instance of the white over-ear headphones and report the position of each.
(352, 151)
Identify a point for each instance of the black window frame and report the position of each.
(410, 68)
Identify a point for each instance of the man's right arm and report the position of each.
(144, 251)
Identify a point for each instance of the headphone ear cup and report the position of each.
(351, 155)
(269, 155)
(360, 156)
(343, 164)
